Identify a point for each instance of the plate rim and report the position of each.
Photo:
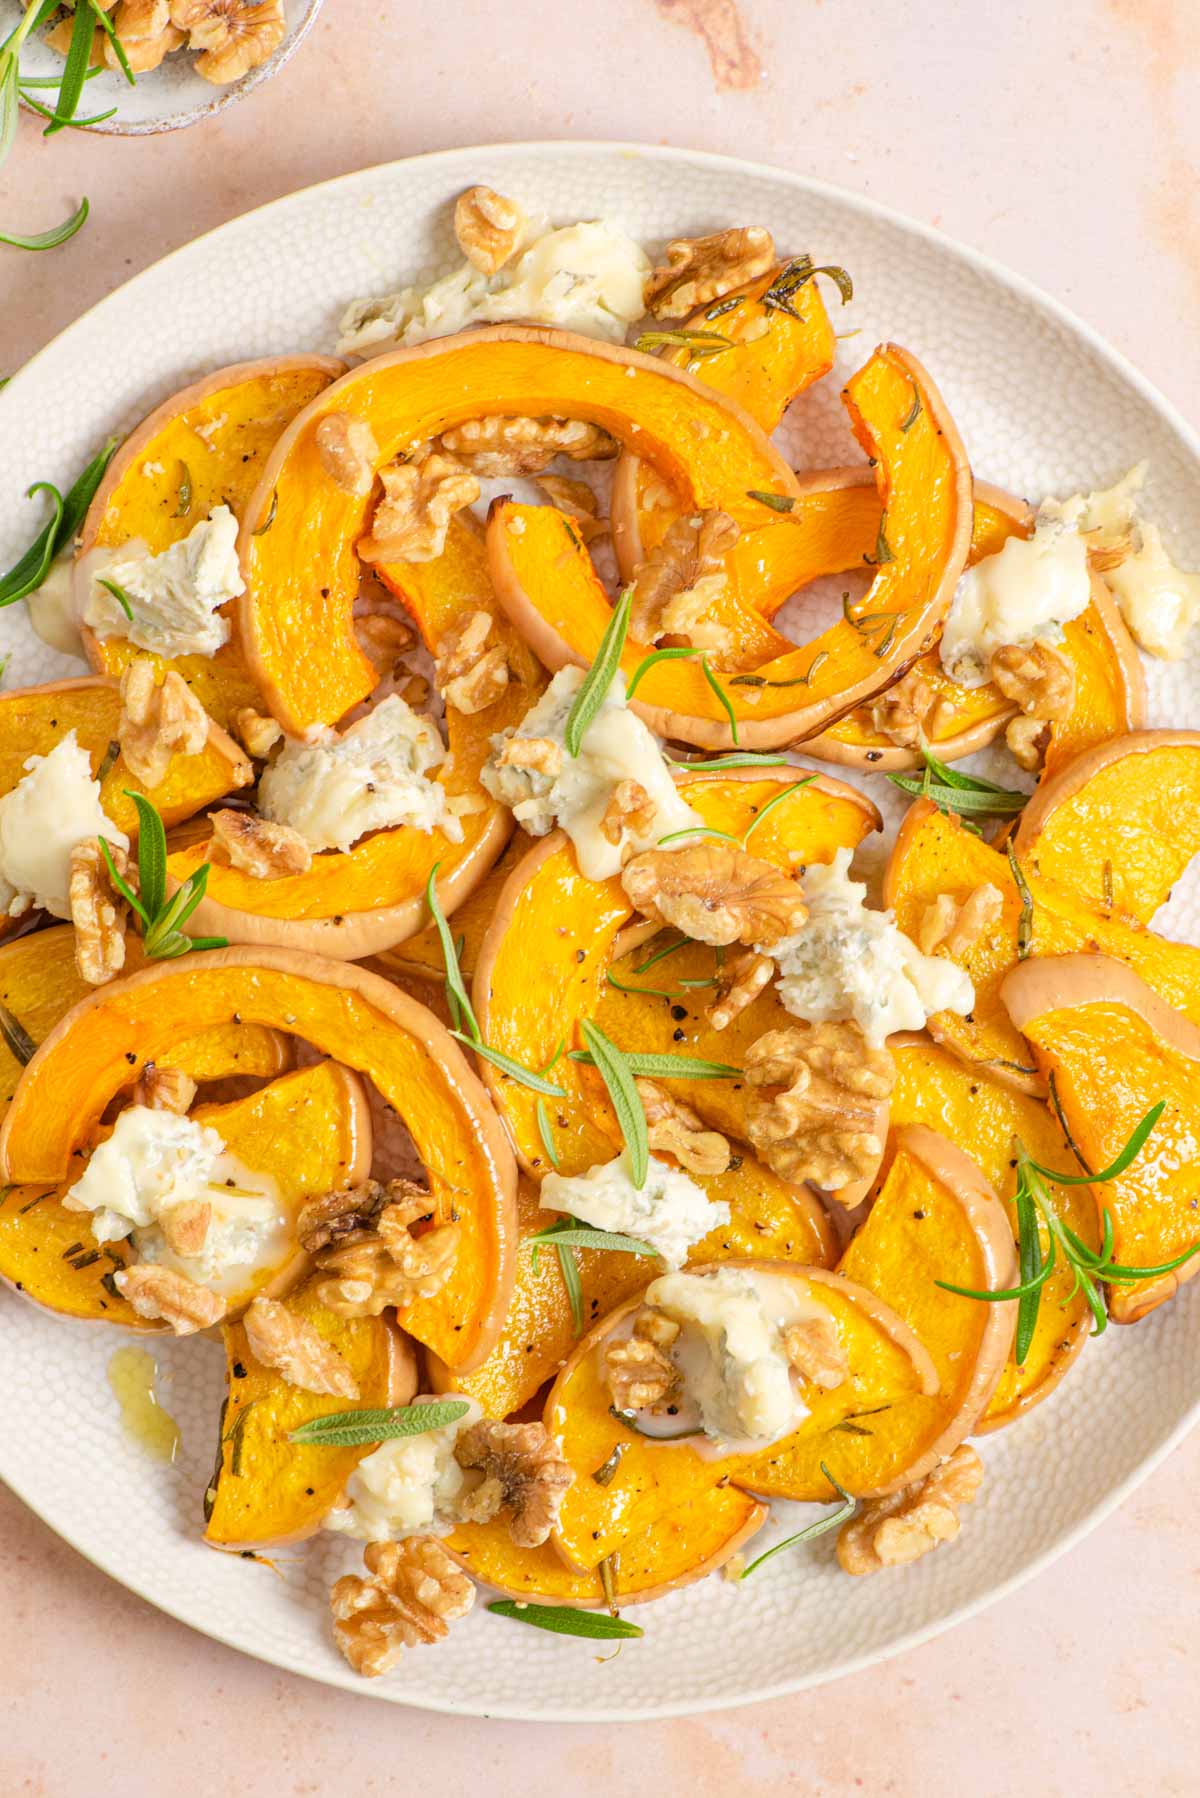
(995, 273)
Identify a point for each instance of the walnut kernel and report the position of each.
(157, 722)
(701, 269)
(820, 1122)
(413, 517)
(526, 446)
(715, 893)
(488, 227)
(98, 911)
(279, 1338)
(259, 848)
(413, 1593)
(898, 1529)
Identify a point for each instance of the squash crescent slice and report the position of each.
(554, 596)
(684, 1546)
(310, 1131)
(706, 447)
(1115, 1049)
(654, 1478)
(265, 1490)
(982, 1115)
(220, 430)
(354, 1016)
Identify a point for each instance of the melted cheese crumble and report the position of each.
(1159, 601)
(587, 277)
(670, 1211)
(848, 962)
(177, 595)
(54, 807)
(408, 1484)
(616, 746)
(1026, 591)
(373, 776)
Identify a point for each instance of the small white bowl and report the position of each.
(169, 97)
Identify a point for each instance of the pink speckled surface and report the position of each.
(1060, 139)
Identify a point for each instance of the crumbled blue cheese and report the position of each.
(373, 776)
(731, 1352)
(1159, 601)
(54, 807)
(1025, 592)
(574, 791)
(406, 1485)
(177, 595)
(670, 1211)
(848, 962)
(587, 277)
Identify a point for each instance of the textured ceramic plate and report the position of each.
(1044, 407)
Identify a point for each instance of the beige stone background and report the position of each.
(1061, 137)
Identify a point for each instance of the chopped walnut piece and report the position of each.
(146, 33)
(165, 1089)
(892, 1531)
(578, 502)
(678, 584)
(384, 638)
(528, 1465)
(641, 1375)
(414, 1593)
(259, 848)
(387, 1265)
(701, 269)
(674, 1129)
(525, 446)
(185, 1226)
(157, 721)
(98, 911)
(1027, 740)
(470, 675)
(256, 733)
(815, 1350)
(420, 499)
(348, 452)
(715, 893)
(821, 1121)
(352, 1211)
(1035, 677)
(953, 926)
(1109, 552)
(742, 980)
(160, 1292)
(488, 227)
(630, 808)
(280, 1339)
(235, 37)
(542, 755)
(909, 712)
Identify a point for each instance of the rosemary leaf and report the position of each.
(455, 987)
(546, 1134)
(652, 661)
(119, 594)
(350, 1429)
(27, 574)
(617, 1074)
(48, 240)
(699, 344)
(569, 1269)
(665, 1067)
(563, 1620)
(514, 1069)
(599, 677)
(744, 758)
(184, 504)
(769, 807)
(823, 1525)
(778, 502)
(723, 697)
(907, 423)
(269, 520)
(582, 1236)
(79, 56)
(17, 1039)
(1025, 921)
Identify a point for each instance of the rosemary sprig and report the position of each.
(664, 1067)
(1025, 921)
(617, 1073)
(119, 594)
(724, 836)
(79, 56)
(914, 412)
(352, 1429)
(964, 795)
(744, 758)
(568, 1265)
(821, 1527)
(1089, 1267)
(27, 574)
(546, 1134)
(599, 677)
(723, 699)
(798, 272)
(797, 680)
(162, 919)
(699, 344)
(563, 1620)
(652, 660)
(778, 502)
(673, 655)
(575, 1235)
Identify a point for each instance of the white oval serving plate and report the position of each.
(1044, 406)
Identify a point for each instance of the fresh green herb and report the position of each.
(75, 124)
(823, 1525)
(582, 1236)
(1060, 1114)
(599, 677)
(236, 1437)
(724, 699)
(796, 275)
(562, 1620)
(546, 1134)
(699, 344)
(184, 503)
(162, 919)
(605, 1473)
(723, 306)
(27, 574)
(963, 795)
(74, 74)
(108, 761)
(652, 661)
(17, 1039)
(699, 830)
(662, 954)
(798, 680)
(769, 807)
(514, 1069)
(110, 31)
(744, 758)
(617, 1074)
(119, 594)
(1025, 921)
(628, 1420)
(269, 520)
(664, 1067)
(573, 1285)
(778, 502)
(1089, 1267)
(907, 423)
(352, 1429)
(883, 549)
(48, 240)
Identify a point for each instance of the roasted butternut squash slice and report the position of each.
(310, 1131)
(267, 1490)
(654, 1478)
(1110, 685)
(1115, 1049)
(353, 904)
(547, 583)
(34, 719)
(202, 448)
(933, 854)
(769, 1219)
(705, 446)
(982, 1115)
(1120, 824)
(684, 1546)
(358, 1018)
(543, 963)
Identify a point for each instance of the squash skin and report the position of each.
(554, 933)
(323, 1109)
(256, 399)
(1115, 1048)
(705, 446)
(355, 1016)
(655, 1478)
(267, 1491)
(1131, 804)
(925, 486)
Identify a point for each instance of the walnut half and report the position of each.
(715, 893)
(814, 1108)
(412, 1594)
(700, 269)
(413, 517)
(157, 721)
(674, 1129)
(681, 580)
(524, 1477)
(98, 911)
(525, 446)
(280, 1339)
(641, 1375)
(386, 1265)
(488, 227)
(259, 848)
(159, 1292)
(953, 925)
(898, 1529)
